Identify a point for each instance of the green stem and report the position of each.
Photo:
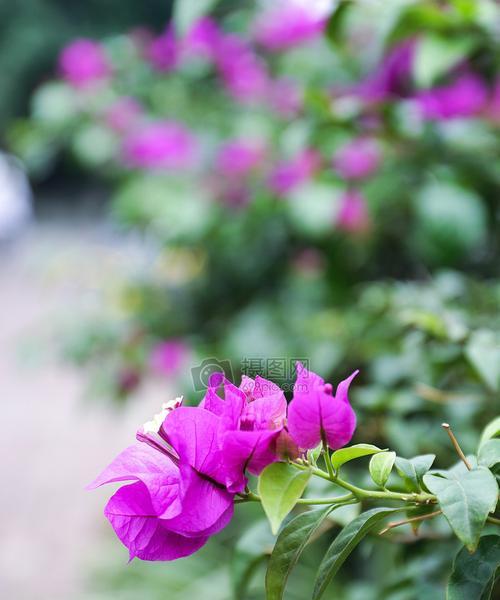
(493, 520)
(360, 493)
(326, 455)
(334, 500)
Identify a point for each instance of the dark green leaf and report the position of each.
(407, 471)
(489, 453)
(381, 466)
(473, 575)
(339, 457)
(345, 543)
(465, 501)
(280, 486)
(289, 546)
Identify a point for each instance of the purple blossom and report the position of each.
(160, 145)
(124, 114)
(315, 414)
(203, 39)
(464, 97)
(353, 215)
(163, 52)
(169, 356)
(289, 23)
(238, 158)
(288, 175)
(357, 159)
(244, 75)
(84, 63)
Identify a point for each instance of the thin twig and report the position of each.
(455, 443)
(411, 520)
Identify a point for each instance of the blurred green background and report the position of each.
(338, 202)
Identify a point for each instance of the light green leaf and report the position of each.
(435, 55)
(492, 430)
(406, 470)
(253, 546)
(186, 12)
(473, 575)
(465, 501)
(339, 457)
(483, 353)
(381, 466)
(280, 486)
(489, 454)
(345, 543)
(289, 546)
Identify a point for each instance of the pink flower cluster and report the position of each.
(192, 461)
(83, 63)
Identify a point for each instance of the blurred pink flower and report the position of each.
(169, 357)
(124, 114)
(358, 159)
(393, 76)
(243, 73)
(286, 97)
(288, 175)
(289, 23)
(353, 215)
(465, 97)
(162, 52)
(160, 145)
(84, 63)
(237, 158)
(203, 39)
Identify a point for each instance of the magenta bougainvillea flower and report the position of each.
(237, 158)
(173, 506)
(315, 414)
(163, 52)
(464, 97)
(392, 78)
(287, 23)
(288, 175)
(358, 159)
(203, 39)
(124, 114)
(244, 75)
(169, 356)
(84, 63)
(353, 215)
(286, 97)
(192, 461)
(160, 145)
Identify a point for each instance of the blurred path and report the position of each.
(52, 444)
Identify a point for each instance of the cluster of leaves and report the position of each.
(465, 495)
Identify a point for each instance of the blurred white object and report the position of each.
(16, 200)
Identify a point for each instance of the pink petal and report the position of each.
(133, 518)
(155, 470)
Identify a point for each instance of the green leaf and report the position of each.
(483, 353)
(186, 12)
(473, 575)
(489, 454)
(345, 543)
(280, 486)
(381, 466)
(252, 548)
(407, 471)
(289, 546)
(492, 430)
(435, 55)
(465, 501)
(339, 457)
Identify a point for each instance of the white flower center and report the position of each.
(156, 422)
